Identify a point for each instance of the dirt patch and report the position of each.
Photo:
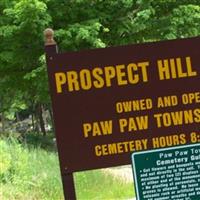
(123, 174)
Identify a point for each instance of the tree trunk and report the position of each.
(52, 121)
(17, 117)
(32, 121)
(2, 115)
(37, 129)
(41, 120)
(3, 122)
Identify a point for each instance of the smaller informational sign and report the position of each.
(169, 173)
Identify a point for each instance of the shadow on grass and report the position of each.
(34, 140)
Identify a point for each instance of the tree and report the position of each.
(78, 24)
(21, 31)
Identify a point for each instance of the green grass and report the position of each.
(97, 185)
(28, 173)
(31, 172)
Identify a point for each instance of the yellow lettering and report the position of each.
(85, 78)
(121, 74)
(60, 80)
(109, 74)
(86, 128)
(72, 79)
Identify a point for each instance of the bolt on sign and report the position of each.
(171, 173)
(108, 103)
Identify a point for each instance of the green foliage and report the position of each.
(78, 24)
(21, 35)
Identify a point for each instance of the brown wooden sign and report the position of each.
(110, 102)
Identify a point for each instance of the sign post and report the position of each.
(108, 103)
(67, 177)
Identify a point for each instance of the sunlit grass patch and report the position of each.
(31, 172)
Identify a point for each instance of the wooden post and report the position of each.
(69, 186)
(49, 37)
(67, 178)
(50, 44)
